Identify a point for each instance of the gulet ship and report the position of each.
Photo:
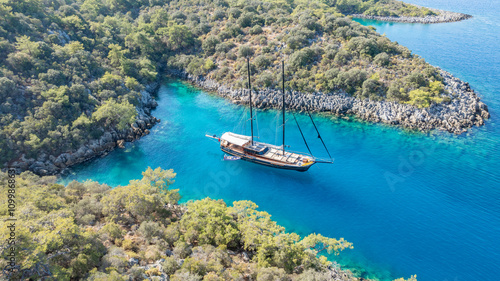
(246, 148)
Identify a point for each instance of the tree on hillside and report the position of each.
(113, 114)
(177, 36)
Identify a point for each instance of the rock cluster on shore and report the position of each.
(333, 273)
(50, 164)
(463, 111)
(442, 16)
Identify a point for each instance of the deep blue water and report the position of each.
(425, 204)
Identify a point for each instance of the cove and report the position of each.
(411, 203)
(425, 204)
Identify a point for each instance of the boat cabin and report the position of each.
(243, 142)
(257, 148)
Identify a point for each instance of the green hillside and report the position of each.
(72, 70)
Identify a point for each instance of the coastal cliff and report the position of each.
(462, 112)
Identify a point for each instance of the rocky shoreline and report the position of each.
(463, 111)
(333, 273)
(51, 165)
(442, 16)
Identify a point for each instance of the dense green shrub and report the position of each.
(381, 59)
(220, 229)
(351, 80)
(256, 29)
(342, 57)
(170, 265)
(303, 58)
(262, 61)
(209, 45)
(363, 46)
(265, 80)
(224, 47)
(373, 90)
(151, 230)
(112, 231)
(246, 51)
(182, 249)
(272, 274)
(115, 258)
(245, 20)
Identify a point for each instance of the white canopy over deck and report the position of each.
(235, 139)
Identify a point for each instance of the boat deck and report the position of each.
(272, 155)
(277, 155)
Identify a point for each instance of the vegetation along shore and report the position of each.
(115, 137)
(88, 231)
(77, 78)
(465, 110)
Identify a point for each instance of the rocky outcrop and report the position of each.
(50, 164)
(441, 16)
(462, 112)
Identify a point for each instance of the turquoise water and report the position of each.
(425, 204)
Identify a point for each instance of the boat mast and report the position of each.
(283, 89)
(250, 93)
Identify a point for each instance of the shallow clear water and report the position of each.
(425, 204)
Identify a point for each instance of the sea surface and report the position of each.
(412, 203)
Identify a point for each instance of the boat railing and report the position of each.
(316, 159)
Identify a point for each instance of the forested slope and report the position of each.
(88, 231)
(61, 80)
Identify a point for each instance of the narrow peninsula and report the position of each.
(435, 16)
(397, 11)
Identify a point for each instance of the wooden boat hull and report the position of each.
(256, 160)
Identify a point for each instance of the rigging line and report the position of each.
(257, 123)
(319, 135)
(250, 97)
(277, 126)
(241, 126)
(240, 123)
(284, 104)
(302, 134)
